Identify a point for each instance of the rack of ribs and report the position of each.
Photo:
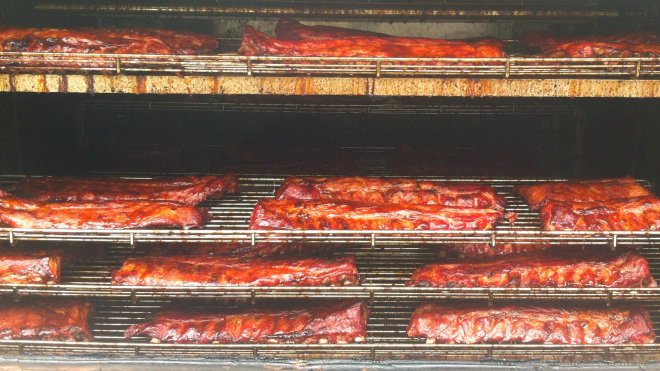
(332, 322)
(256, 43)
(627, 214)
(245, 250)
(466, 324)
(581, 191)
(391, 191)
(203, 270)
(17, 267)
(189, 190)
(56, 320)
(353, 215)
(568, 266)
(548, 41)
(21, 213)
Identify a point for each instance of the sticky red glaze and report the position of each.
(548, 41)
(105, 40)
(559, 267)
(245, 250)
(258, 43)
(203, 270)
(472, 250)
(336, 322)
(465, 324)
(391, 190)
(581, 191)
(629, 214)
(189, 190)
(29, 267)
(352, 215)
(20, 213)
(58, 320)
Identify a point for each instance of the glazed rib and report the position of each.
(473, 250)
(391, 190)
(202, 270)
(602, 50)
(334, 322)
(547, 41)
(352, 215)
(56, 320)
(20, 213)
(29, 267)
(189, 190)
(244, 250)
(465, 324)
(581, 191)
(559, 267)
(258, 43)
(628, 214)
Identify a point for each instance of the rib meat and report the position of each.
(547, 41)
(581, 191)
(244, 250)
(628, 214)
(465, 324)
(190, 190)
(29, 267)
(603, 50)
(258, 43)
(20, 213)
(391, 190)
(353, 215)
(56, 320)
(334, 322)
(561, 267)
(473, 250)
(203, 270)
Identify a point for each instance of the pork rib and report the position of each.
(628, 214)
(465, 324)
(57, 320)
(189, 190)
(581, 191)
(559, 267)
(20, 213)
(353, 215)
(547, 41)
(245, 250)
(391, 190)
(334, 322)
(202, 270)
(29, 267)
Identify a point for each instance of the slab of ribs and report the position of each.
(245, 250)
(333, 322)
(56, 320)
(466, 324)
(391, 191)
(569, 266)
(189, 190)
(256, 43)
(29, 267)
(353, 215)
(548, 41)
(203, 270)
(639, 44)
(105, 40)
(17, 212)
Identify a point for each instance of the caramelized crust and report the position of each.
(548, 41)
(202, 270)
(244, 250)
(581, 191)
(334, 322)
(391, 191)
(465, 324)
(189, 190)
(603, 50)
(560, 267)
(628, 214)
(352, 215)
(57, 320)
(29, 267)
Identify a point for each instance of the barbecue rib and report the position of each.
(602, 50)
(105, 40)
(333, 322)
(561, 267)
(29, 267)
(628, 214)
(203, 270)
(189, 190)
(258, 43)
(581, 191)
(20, 213)
(290, 29)
(547, 41)
(474, 250)
(352, 215)
(391, 190)
(56, 320)
(244, 250)
(463, 324)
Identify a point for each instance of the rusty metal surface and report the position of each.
(356, 86)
